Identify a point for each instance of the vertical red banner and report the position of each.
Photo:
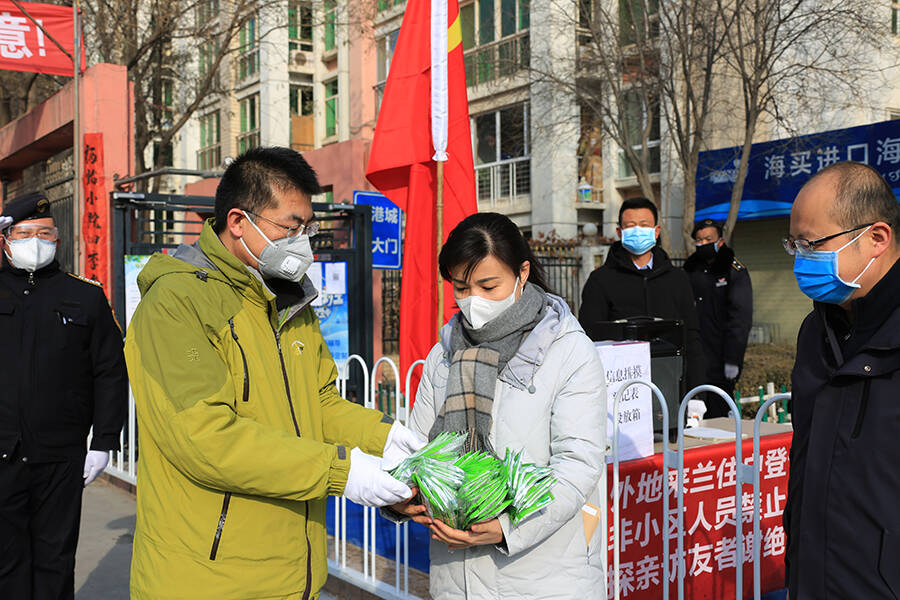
(95, 220)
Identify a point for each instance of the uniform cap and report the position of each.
(33, 205)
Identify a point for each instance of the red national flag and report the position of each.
(401, 167)
(24, 47)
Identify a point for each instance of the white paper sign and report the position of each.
(315, 277)
(624, 361)
(336, 278)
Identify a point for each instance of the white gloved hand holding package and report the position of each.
(368, 484)
(401, 442)
(94, 463)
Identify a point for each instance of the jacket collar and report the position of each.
(51, 269)
(285, 297)
(619, 258)
(719, 266)
(521, 369)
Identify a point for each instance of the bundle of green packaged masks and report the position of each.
(463, 489)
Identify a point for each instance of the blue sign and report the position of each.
(332, 308)
(778, 169)
(387, 239)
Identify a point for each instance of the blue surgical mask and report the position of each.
(638, 240)
(817, 275)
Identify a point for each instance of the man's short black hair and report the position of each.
(249, 180)
(862, 196)
(639, 202)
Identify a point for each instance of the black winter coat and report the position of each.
(724, 300)
(62, 368)
(618, 290)
(842, 517)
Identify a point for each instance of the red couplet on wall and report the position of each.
(95, 220)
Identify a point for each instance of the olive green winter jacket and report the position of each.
(242, 433)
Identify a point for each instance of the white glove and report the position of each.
(94, 463)
(369, 485)
(731, 371)
(401, 442)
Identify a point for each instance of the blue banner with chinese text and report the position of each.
(778, 169)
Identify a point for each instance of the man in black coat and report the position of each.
(62, 371)
(842, 519)
(724, 300)
(639, 280)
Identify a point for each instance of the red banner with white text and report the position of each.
(95, 222)
(710, 544)
(26, 47)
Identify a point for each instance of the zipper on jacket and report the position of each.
(863, 404)
(246, 393)
(308, 558)
(287, 389)
(222, 516)
(287, 386)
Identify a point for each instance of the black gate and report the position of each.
(148, 223)
(563, 267)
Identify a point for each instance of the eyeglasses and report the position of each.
(26, 232)
(802, 246)
(311, 228)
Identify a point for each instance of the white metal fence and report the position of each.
(123, 462)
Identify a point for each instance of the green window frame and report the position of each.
(330, 24)
(332, 108)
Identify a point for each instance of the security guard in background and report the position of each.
(724, 299)
(62, 371)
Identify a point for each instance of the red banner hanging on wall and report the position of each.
(95, 222)
(25, 47)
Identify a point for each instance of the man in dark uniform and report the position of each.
(724, 300)
(62, 369)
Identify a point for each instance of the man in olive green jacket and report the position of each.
(242, 432)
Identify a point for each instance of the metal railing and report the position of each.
(122, 465)
(498, 59)
(503, 182)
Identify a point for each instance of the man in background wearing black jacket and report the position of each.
(841, 517)
(724, 300)
(62, 371)
(639, 280)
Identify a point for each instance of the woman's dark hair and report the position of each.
(489, 234)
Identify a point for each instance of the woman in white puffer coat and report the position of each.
(515, 369)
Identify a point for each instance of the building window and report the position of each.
(300, 26)
(330, 25)
(303, 134)
(209, 156)
(633, 20)
(248, 63)
(207, 10)
(331, 108)
(249, 136)
(502, 153)
(636, 119)
(495, 38)
(208, 52)
(895, 18)
(301, 100)
(384, 51)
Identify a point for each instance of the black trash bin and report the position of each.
(667, 367)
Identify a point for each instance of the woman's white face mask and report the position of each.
(480, 311)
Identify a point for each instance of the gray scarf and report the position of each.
(477, 358)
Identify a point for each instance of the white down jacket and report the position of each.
(550, 400)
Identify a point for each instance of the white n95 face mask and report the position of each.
(480, 311)
(287, 258)
(31, 254)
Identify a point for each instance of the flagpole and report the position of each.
(439, 221)
(76, 144)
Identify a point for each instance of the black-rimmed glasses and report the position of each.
(803, 246)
